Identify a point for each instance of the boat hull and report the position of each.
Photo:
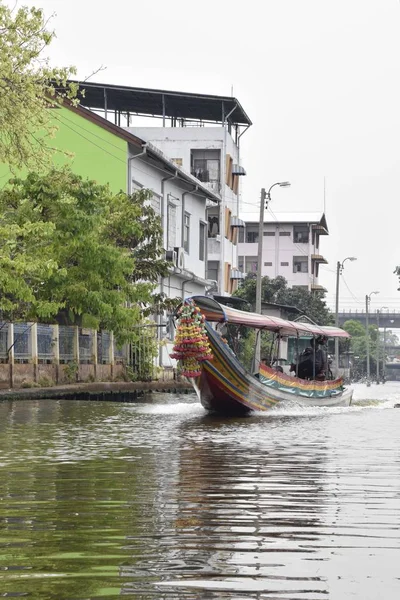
(226, 387)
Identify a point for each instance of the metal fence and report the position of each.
(66, 344)
(3, 342)
(22, 342)
(46, 344)
(144, 352)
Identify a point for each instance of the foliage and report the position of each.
(311, 304)
(70, 250)
(358, 345)
(27, 88)
(242, 341)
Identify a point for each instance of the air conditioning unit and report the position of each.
(180, 257)
(171, 256)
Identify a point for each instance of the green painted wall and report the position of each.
(97, 153)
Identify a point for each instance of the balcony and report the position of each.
(214, 245)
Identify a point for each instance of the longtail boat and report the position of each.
(224, 386)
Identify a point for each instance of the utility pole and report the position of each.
(367, 301)
(339, 270)
(367, 335)
(257, 354)
(377, 347)
(264, 201)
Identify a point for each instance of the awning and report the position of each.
(315, 287)
(319, 259)
(238, 170)
(215, 312)
(236, 274)
(236, 222)
(321, 229)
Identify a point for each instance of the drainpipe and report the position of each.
(239, 187)
(130, 159)
(221, 287)
(184, 282)
(162, 216)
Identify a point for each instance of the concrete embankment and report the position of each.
(109, 391)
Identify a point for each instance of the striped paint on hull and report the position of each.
(225, 387)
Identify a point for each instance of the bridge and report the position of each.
(389, 319)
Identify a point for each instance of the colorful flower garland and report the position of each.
(191, 342)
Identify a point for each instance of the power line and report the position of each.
(350, 292)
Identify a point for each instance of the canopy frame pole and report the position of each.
(314, 357)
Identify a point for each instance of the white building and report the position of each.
(201, 134)
(201, 150)
(291, 247)
(180, 200)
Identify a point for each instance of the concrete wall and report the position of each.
(46, 375)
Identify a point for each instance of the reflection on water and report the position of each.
(158, 500)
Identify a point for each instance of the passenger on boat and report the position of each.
(263, 361)
(313, 361)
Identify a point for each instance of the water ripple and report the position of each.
(158, 500)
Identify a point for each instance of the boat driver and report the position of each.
(313, 361)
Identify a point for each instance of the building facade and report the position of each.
(291, 247)
(200, 134)
(211, 156)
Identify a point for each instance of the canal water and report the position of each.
(157, 500)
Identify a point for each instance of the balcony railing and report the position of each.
(213, 245)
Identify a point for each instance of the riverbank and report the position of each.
(110, 391)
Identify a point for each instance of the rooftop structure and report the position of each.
(179, 107)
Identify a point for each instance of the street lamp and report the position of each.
(339, 271)
(367, 303)
(265, 200)
(378, 341)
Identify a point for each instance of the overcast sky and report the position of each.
(318, 78)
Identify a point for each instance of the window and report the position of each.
(213, 225)
(171, 227)
(269, 234)
(241, 235)
(284, 233)
(251, 237)
(268, 264)
(205, 165)
(212, 270)
(284, 264)
(300, 234)
(186, 231)
(202, 240)
(300, 264)
(251, 264)
(241, 263)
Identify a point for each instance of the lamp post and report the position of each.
(265, 198)
(378, 341)
(367, 303)
(339, 271)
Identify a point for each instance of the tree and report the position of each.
(72, 252)
(358, 345)
(27, 89)
(311, 304)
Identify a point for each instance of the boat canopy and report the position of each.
(218, 313)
